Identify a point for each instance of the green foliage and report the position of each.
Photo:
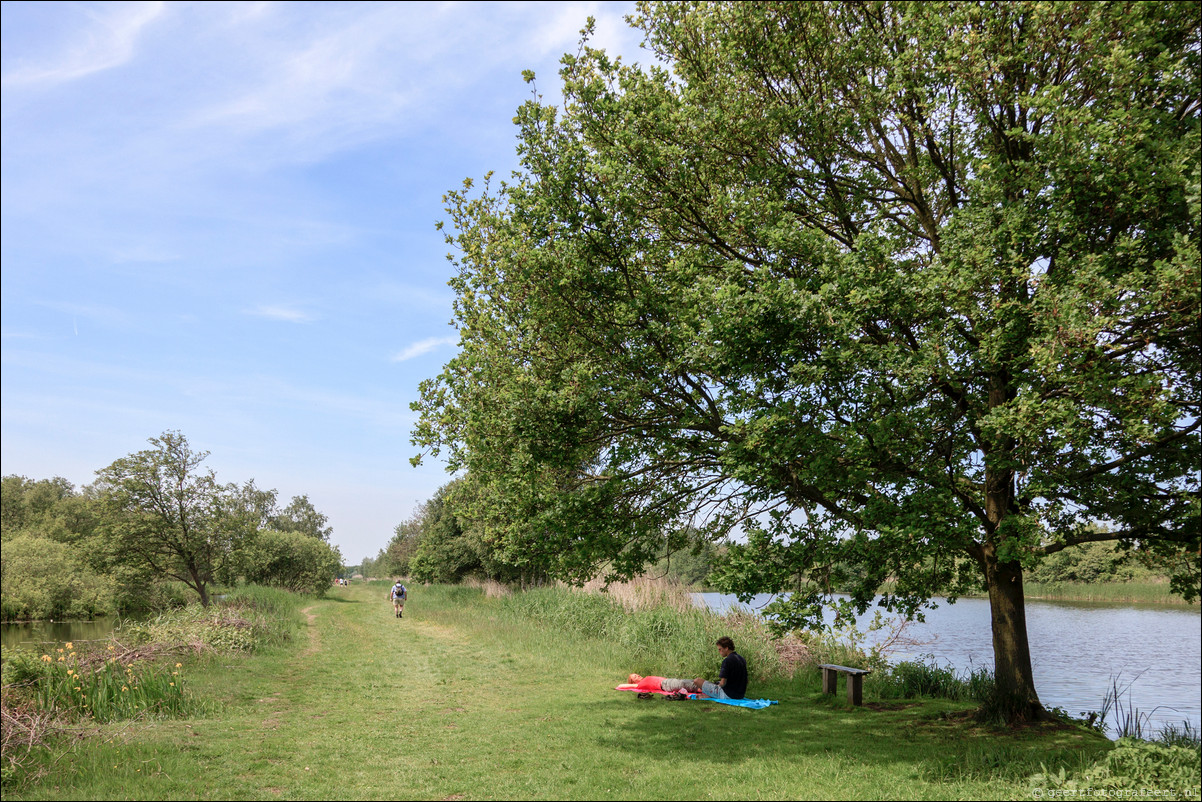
(43, 578)
(292, 560)
(908, 287)
(1095, 562)
(64, 681)
(443, 551)
(691, 565)
(20, 666)
(301, 516)
(166, 519)
(447, 539)
(166, 515)
(1133, 765)
(112, 692)
(910, 679)
(26, 503)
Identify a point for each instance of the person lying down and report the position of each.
(637, 682)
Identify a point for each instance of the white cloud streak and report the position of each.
(285, 314)
(424, 347)
(108, 41)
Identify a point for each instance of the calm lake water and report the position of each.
(1078, 650)
(37, 634)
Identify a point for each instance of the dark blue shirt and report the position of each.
(734, 670)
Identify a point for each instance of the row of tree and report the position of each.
(899, 290)
(151, 518)
(441, 542)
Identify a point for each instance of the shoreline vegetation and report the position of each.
(1139, 592)
(1155, 592)
(486, 692)
(1136, 592)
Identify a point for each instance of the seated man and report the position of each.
(732, 676)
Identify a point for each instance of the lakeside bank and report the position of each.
(472, 697)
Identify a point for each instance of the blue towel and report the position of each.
(754, 704)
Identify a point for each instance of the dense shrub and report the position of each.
(43, 578)
(291, 560)
(1133, 765)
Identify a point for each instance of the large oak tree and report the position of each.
(903, 290)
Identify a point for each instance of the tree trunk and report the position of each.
(200, 586)
(1011, 652)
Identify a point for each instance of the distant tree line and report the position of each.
(152, 525)
(440, 542)
(449, 538)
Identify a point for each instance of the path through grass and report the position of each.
(457, 701)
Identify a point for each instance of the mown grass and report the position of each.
(470, 697)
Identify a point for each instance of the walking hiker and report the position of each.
(398, 594)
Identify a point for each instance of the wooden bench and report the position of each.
(855, 681)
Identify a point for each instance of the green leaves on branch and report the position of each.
(922, 281)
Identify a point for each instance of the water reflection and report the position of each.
(51, 634)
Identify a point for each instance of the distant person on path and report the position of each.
(398, 594)
(732, 676)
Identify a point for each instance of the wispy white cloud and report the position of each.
(107, 39)
(559, 31)
(162, 162)
(287, 314)
(424, 347)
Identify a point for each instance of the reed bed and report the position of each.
(1137, 592)
(491, 588)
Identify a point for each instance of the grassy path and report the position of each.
(458, 701)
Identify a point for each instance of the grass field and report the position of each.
(462, 699)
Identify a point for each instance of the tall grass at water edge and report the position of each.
(1120, 716)
(661, 635)
(1116, 592)
(247, 618)
(666, 634)
(910, 679)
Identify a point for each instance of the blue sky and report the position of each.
(219, 219)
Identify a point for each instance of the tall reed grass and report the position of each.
(1136, 592)
(661, 635)
(1120, 716)
(247, 618)
(910, 679)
